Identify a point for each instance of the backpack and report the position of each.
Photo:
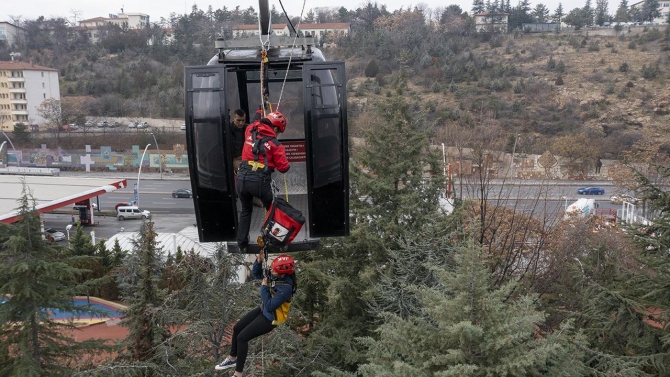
(258, 148)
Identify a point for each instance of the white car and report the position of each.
(77, 206)
(53, 235)
(132, 125)
(143, 125)
(183, 127)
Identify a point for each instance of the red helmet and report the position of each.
(283, 264)
(277, 119)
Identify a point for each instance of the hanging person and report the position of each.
(273, 311)
(261, 155)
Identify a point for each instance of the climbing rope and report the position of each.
(290, 57)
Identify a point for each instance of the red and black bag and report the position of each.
(282, 223)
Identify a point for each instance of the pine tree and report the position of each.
(143, 297)
(469, 327)
(478, 6)
(392, 198)
(40, 279)
(558, 14)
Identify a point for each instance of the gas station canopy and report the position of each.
(50, 193)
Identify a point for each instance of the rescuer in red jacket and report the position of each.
(261, 155)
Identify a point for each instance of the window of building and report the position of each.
(45, 95)
(42, 85)
(42, 74)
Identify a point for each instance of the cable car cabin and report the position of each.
(311, 93)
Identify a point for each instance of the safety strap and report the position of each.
(257, 149)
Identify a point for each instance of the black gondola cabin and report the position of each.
(311, 93)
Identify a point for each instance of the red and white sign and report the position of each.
(295, 151)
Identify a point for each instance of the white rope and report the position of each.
(281, 93)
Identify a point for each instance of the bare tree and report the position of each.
(50, 111)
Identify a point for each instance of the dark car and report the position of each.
(182, 193)
(591, 191)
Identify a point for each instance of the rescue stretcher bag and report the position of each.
(282, 223)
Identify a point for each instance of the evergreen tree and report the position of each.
(650, 10)
(558, 14)
(144, 298)
(541, 13)
(587, 13)
(601, 12)
(622, 12)
(391, 199)
(478, 6)
(470, 327)
(40, 279)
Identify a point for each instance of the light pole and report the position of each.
(160, 160)
(1, 146)
(139, 170)
(566, 202)
(10, 140)
(511, 164)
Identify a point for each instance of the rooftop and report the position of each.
(24, 66)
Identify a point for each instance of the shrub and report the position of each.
(650, 72)
(372, 69)
(560, 67)
(551, 64)
(559, 81)
(609, 69)
(436, 87)
(632, 45)
(609, 89)
(623, 67)
(594, 46)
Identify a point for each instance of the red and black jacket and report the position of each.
(261, 133)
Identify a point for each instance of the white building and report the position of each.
(23, 87)
(309, 30)
(491, 21)
(10, 33)
(123, 20)
(663, 7)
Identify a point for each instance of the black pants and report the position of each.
(249, 184)
(252, 325)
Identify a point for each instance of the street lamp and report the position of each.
(139, 170)
(10, 140)
(511, 165)
(566, 202)
(2, 145)
(160, 160)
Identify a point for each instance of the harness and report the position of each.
(257, 149)
(281, 313)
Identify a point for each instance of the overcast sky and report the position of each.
(31, 9)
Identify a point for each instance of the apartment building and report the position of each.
(491, 22)
(10, 33)
(23, 87)
(123, 20)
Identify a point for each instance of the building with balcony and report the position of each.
(123, 20)
(23, 87)
(10, 33)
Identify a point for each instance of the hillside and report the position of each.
(614, 91)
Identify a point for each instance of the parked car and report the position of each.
(132, 125)
(183, 127)
(88, 123)
(182, 193)
(620, 198)
(77, 206)
(103, 124)
(143, 125)
(115, 124)
(53, 235)
(131, 212)
(591, 191)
